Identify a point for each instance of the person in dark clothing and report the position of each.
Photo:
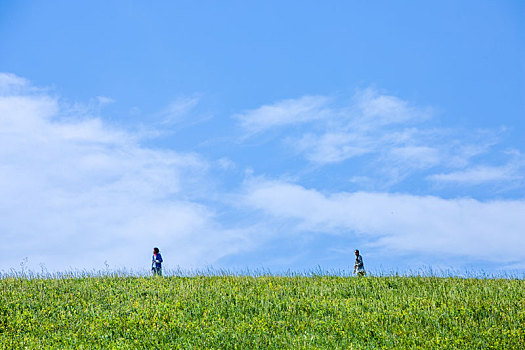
(156, 263)
(359, 267)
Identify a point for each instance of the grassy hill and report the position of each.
(233, 312)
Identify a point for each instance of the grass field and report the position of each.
(240, 312)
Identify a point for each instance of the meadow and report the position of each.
(261, 312)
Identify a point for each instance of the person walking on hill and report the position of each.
(359, 267)
(156, 263)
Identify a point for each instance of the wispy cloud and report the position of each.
(333, 147)
(367, 110)
(178, 110)
(481, 174)
(340, 131)
(373, 110)
(387, 139)
(380, 126)
(104, 100)
(282, 113)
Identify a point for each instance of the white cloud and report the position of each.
(286, 112)
(104, 100)
(479, 175)
(373, 124)
(367, 110)
(76, 192)
(491, 230)
(178, 110)
(417, 156)
(225, 164)
(388, 140)
(375, 110)
(338, 133)
(10, 83)
(332, 147)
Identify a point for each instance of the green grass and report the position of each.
(236, 312)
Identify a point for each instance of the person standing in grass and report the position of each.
(359, 267)
(156, 263)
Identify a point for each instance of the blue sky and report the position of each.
(262, 134)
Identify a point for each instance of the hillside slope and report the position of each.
(262, 312)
